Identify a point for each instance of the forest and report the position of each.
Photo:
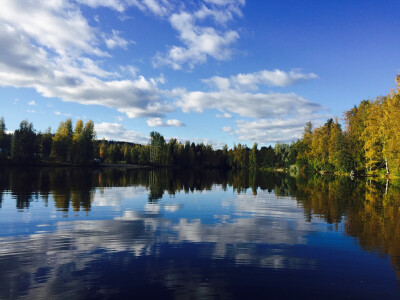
(368, 143)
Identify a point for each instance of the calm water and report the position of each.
(138, 234)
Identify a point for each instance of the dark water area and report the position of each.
(211, 234)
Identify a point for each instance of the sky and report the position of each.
(212, 71)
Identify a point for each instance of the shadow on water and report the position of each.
(368, 211)
(75, 187)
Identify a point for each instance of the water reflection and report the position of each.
(200, 234)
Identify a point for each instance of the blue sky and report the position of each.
(211, 71)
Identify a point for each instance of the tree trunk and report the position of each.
(387, 186)
(387, 166)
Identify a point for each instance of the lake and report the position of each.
(209, 234)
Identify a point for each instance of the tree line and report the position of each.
(370, 142)
(66, 145)
(78, 145)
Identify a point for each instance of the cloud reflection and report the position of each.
(259, 234)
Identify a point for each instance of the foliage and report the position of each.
(3, 140)
(370, 142)
(23, 143)
(62, 142)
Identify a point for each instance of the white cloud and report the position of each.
(114, 40)
(117, 132)
(57, 113)
(219, 82)
(32, 111)
(113, 4)
(280, 116)
(131, 70)
(221, 14)
(275, 130)
(200, 42)
(248, 104)
(159, 8)
(250, 81)
(57, 25)
(272, 78)
(77, 79)
(216, 144)
(226, 2)
(158, 122)
(223, 116)
(32, 103)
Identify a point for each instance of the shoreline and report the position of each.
(71, 165)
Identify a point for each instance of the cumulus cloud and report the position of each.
(199, 43)
(158, 122)
(53, 62)
(251, 81)
(267, 131)
(32, 103)
(117, 132)
(58, 25)
(58, 60)
(113, 4)
(226, 2)
(221, 15)
(248, 104)
(215, 144)
(280, 116)
(224, 116)
(157, 7)
(114, 40)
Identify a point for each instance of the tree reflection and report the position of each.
(369, 209)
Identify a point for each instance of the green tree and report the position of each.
(157, 150)
(135, 151)
(281, 155)
(89, 136)
(391, 130)
(171, 149)
(3, 150)
(267, 157)
(355, 120)
(240, 156)
(373, 136)
(23, 143)
(144, 155)
(62, 142)
(253, 157)
(303, 146)
(45, 145)
(103, 149)
(77, 143)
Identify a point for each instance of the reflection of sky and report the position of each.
(260, 231)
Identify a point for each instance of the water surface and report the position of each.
(89, 234)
